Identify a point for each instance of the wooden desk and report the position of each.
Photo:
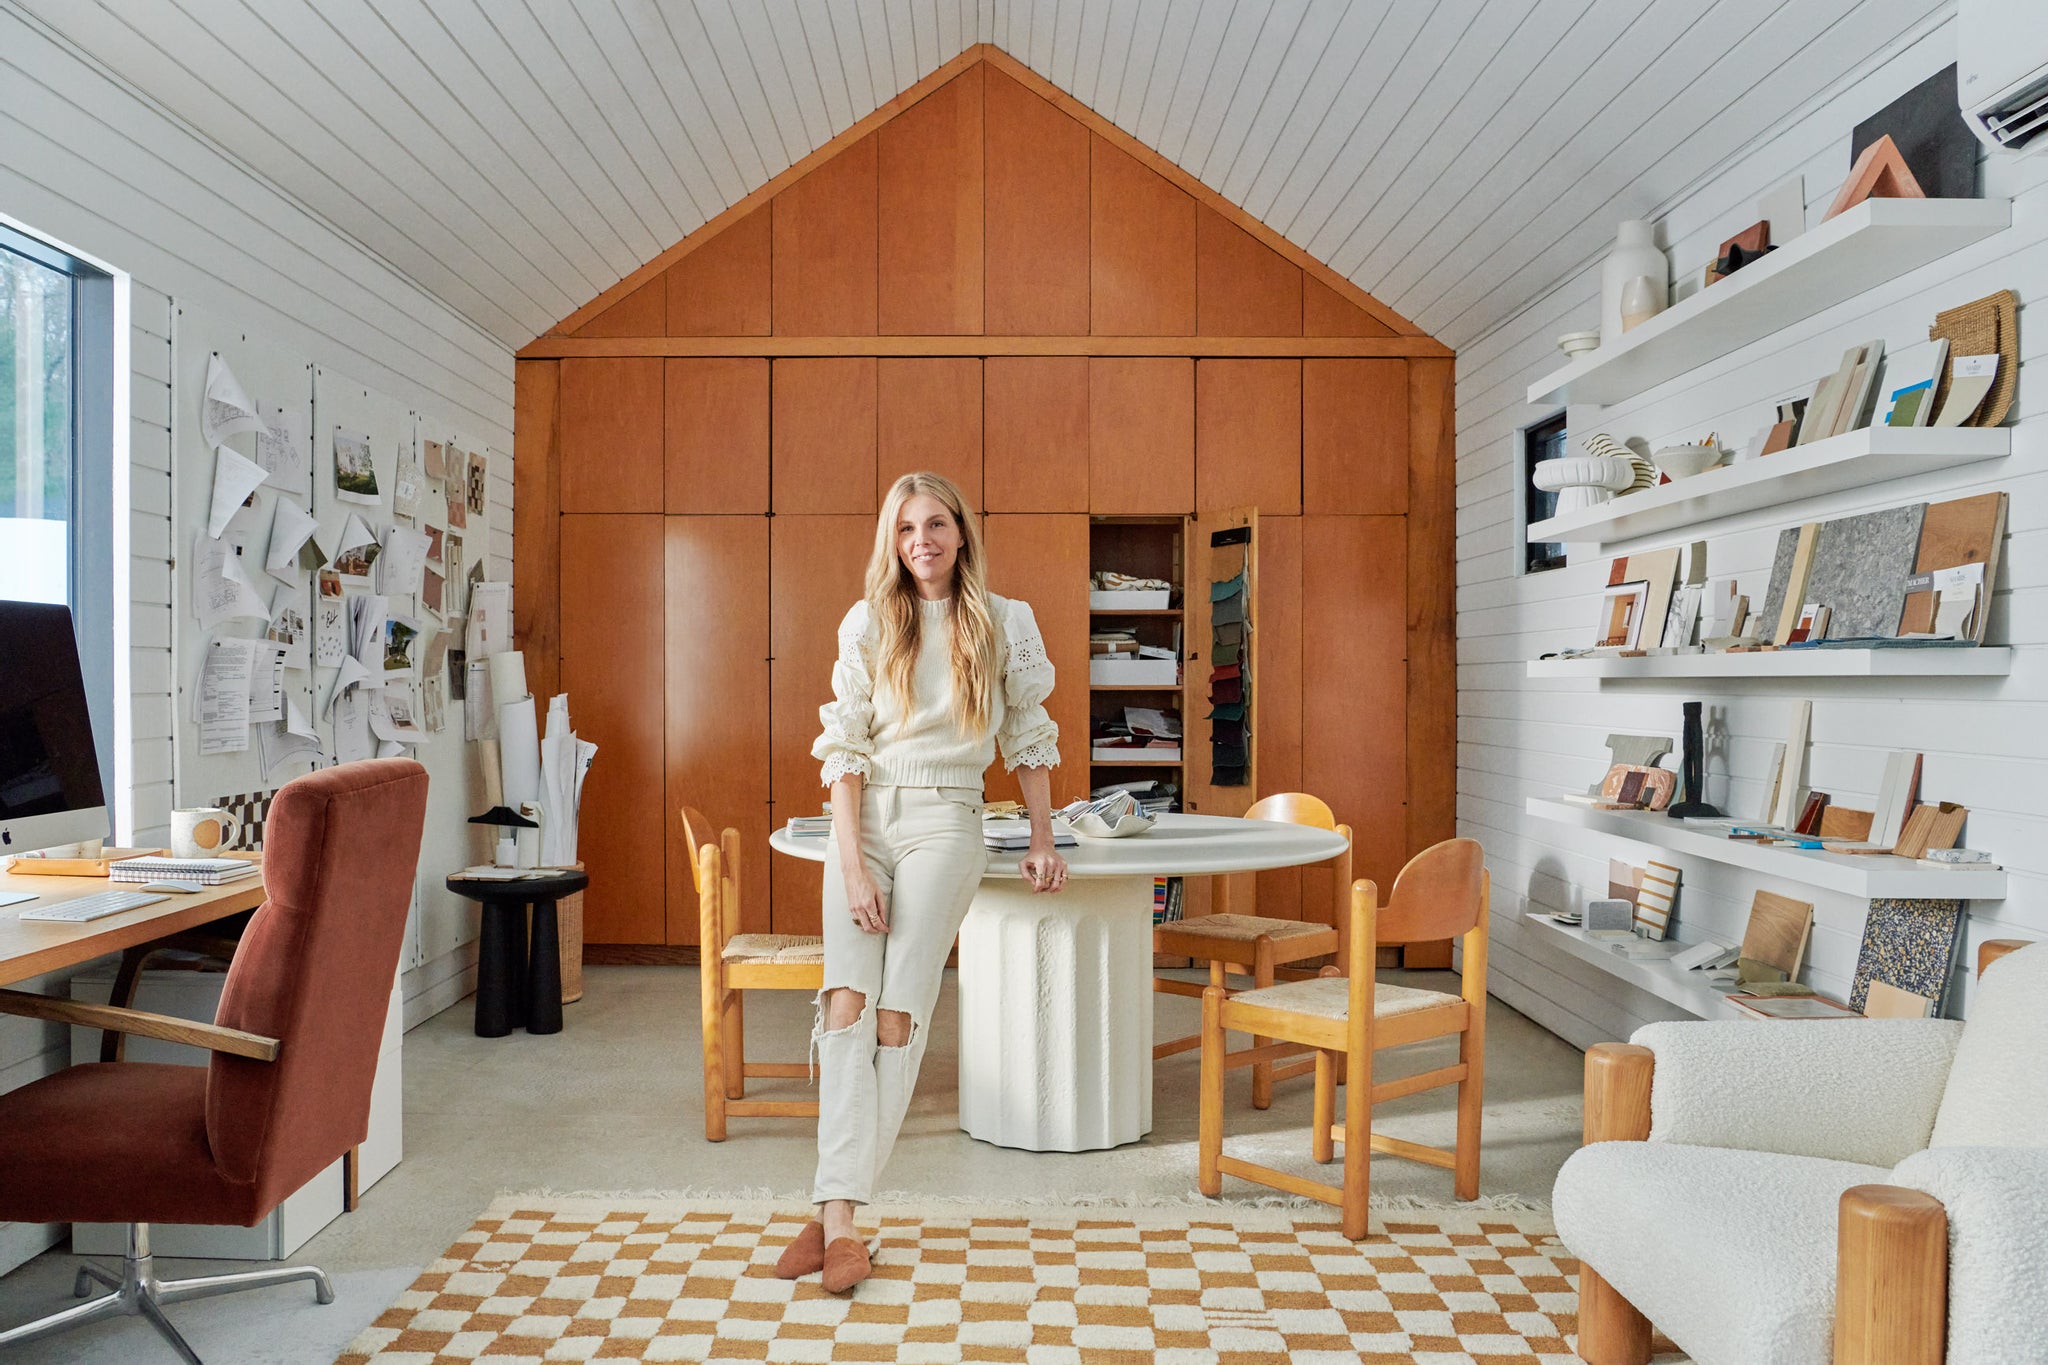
(38, 946)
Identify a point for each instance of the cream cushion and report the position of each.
(1244, 928)
(774, 948)
(1996, 1199)
(1329, 997)
(1730, 1253)
(1998, 1087)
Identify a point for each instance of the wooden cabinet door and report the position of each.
(613, 669)
(1248, 435)
(1354, 684)
(931, 200)
(824, 253)
(1043, 560)
(1279, 892)
(1036, 202)
(715, 636)
(928, 417)
(611, 434)
(1354, 436)
(721, 288)
(1141, 248)
(1035, 443)
(1141, 435)
(823, 434)
(815, 569)
(717, 434)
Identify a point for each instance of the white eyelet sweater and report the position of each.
(869, 730)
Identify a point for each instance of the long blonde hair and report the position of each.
(894, 603)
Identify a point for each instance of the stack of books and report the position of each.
(1012, 834)
(205, 871)
(808, 826)
(1154, 734)
(1153, 796)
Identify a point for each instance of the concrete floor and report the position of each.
(613, 1104)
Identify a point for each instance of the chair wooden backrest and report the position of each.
(1294, 808)
(1439, 894)
(713, 863)
(1299, 808)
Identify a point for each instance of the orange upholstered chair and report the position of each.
(294, 1046)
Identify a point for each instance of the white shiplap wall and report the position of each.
(1985, 741)
(101, 168)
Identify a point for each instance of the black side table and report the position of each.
(515, 986)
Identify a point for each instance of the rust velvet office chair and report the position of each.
(294, 1046)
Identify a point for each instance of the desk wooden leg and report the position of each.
(544, 972)
(351, 1179)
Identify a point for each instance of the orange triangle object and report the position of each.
(1880, 173)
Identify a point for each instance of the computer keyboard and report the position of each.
(96, 906)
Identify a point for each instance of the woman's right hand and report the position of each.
(864, 900)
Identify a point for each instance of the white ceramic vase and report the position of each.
(1635, 254)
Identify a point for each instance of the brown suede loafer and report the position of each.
(805, 1255)
(846, 1264)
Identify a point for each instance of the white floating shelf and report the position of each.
(1861, 248)
(1879, 875)
(1688, 990)
(1855, 459)
(1963, 661)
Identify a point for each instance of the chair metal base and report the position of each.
(139, 1293)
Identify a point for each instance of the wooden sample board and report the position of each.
(1777, 931)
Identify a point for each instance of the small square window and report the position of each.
(1543, 441)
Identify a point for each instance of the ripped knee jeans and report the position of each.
(923, 847)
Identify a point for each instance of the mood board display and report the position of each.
(328, 543)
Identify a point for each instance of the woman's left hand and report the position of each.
(1044, 868)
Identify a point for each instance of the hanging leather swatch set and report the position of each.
(1229, 682)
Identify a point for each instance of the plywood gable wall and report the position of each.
(983, 202)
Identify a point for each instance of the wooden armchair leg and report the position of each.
(1320, 1145)
(1611, 1331)
(1209, 1172)
(1262, 1072)
(1891, 1277)
(735, 1045)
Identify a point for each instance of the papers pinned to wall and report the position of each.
(234, 479)
(289, 627)
(405, 553)
(220, 701)
(355, 469)
(292, 546)
(284, 449)
(490, 620)
(479, 489)
(356, 551)
(226, 410)
(288, 741)
(222, 586)
(330, 621)
(408, 486)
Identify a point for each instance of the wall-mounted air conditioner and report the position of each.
(2002, 71)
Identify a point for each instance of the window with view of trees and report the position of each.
(38, 386)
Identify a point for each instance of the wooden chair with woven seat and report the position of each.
(1257, 946)
(1441, 893)
(733, 963)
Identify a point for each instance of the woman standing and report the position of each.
(934, 672)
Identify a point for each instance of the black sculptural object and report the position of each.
(1692, 769)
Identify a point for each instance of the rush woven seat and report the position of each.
(774, 948)
(1329, 997)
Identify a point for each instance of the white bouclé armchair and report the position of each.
(1821, 1193)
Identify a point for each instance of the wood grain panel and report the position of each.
(930, 215)
(1043, 560)
(928, 416)
(1326, 313)
(612, 664)
(722, 288)
(824, 435)
(1354, 682)
(1280, 892)
(1354, 436)
(1242, 287)
(815, 569)
(824, 254)
(1141, 248)
(716, 708)
(1141, 436)
(642, 313)
(1432, 606)
(716, 447)
(1036, 206)
(1035, 444)
(611, 435)
(1248, 435)
(536, 522)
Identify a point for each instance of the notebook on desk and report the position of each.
(206, 871)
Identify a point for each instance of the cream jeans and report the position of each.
(922, 845)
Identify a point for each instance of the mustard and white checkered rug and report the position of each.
(621, 1279)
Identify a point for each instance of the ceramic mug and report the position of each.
(205, 832)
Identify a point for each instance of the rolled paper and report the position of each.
(519, 751)
(508, 675)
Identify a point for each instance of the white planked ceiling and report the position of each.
(516, 157)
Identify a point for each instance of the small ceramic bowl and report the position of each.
(1577, 343)
(1682, 462)
(1127, 824)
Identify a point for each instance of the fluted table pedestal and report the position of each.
(1056, 1028)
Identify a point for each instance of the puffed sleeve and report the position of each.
(848, 740)
(1028, 738)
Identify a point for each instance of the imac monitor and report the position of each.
(49, 770)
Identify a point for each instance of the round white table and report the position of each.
(1056, 989)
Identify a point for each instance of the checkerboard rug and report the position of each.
(620, 1279)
